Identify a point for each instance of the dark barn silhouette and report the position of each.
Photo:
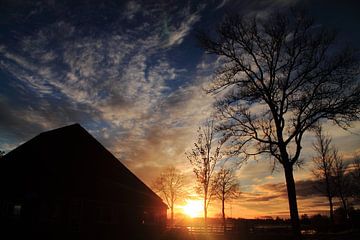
(63, 184)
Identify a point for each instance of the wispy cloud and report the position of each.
(121, 79)
(176, 35)
(132, 7)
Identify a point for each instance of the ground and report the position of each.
(181, 234)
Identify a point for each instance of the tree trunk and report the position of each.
(291, 190)
(223, 213)
(205, 215)
(172, 216)
(344, 203)
(330, 197)
(331, 209)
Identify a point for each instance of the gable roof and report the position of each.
(69, 161)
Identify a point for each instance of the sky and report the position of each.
(132, 74)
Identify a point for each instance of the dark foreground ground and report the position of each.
(184, 234)
(352, 235)
(178, 234)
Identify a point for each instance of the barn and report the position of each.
(63, 184)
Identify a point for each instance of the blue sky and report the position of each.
(131, 73)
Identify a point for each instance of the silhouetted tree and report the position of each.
(170, 185)
(323, 165)
(203, 158)
(305, 220)
(226, 187)
(341, 181)
(2, 153)
(278, 77)
(355, 175)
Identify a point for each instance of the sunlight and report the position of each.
(193, 208)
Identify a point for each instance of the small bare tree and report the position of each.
(341, 181)
(323, 165)
(226, 187)
(203, 158)
(279, 77)
(170, 185)
(355, 174)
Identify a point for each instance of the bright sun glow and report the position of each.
(193, 208)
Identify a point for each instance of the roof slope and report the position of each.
(69, 161)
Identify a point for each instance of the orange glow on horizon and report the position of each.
(193, 208)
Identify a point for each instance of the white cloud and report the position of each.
(132, 8)
(177, 35)
(221, 4)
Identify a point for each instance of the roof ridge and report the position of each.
(77, 125)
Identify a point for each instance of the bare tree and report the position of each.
(278, 78)
(2, 153)
(203, 158)
(170, 185)
(226, 187)
(355, 175)
(341, 180)
(323, 167)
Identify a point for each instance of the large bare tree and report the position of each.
(226, 187)
(323, 167)
(204, 157)
(279, 77)
(170, 185)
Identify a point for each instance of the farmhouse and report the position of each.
(63, 184)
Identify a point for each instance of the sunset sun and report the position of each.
(193, 208)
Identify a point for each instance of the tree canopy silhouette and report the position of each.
(170, 185)
(226, 187)
(204, 157)
(278, 77)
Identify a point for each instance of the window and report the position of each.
(17, 210)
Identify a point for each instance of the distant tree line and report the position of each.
(322, 223)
